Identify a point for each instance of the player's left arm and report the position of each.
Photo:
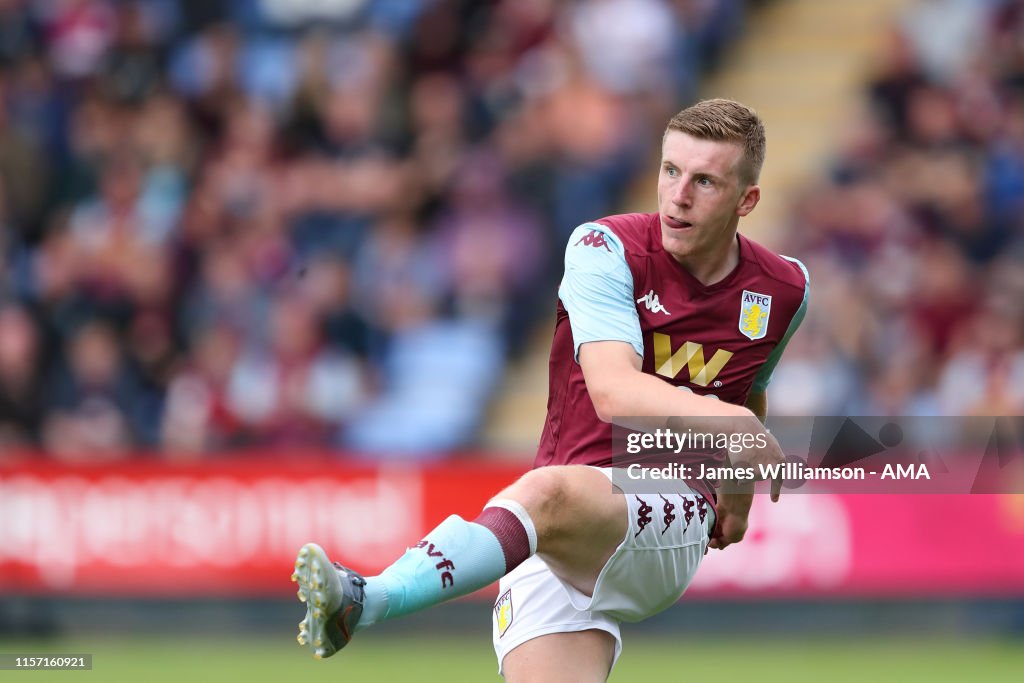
(734, 505)
(757, 402)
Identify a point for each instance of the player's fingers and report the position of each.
(776, 489)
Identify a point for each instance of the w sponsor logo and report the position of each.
(690, 355)
(594, 238)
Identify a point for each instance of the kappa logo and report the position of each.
(754, 312)
(447, 580)
(503, 613)
(687, 510)
(643, 515)
(668, 509)
(702, 508)
(690, 356)
(594, 238)
(650, 301)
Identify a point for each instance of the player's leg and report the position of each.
(580, 520)
(580, 657)
(545, 630)
(569, 513)
(539, 635)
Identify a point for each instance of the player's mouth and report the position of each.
(674, 224)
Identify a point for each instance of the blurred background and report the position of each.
(262, 257)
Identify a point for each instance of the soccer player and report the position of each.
(662, 314)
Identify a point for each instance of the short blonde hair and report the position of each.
(726, 121)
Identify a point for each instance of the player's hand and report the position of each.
(733, 527)
(733, 510)
(770, 454)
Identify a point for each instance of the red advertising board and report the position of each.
(232, 528)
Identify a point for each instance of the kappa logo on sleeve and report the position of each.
(503, 614)
(594, 238)
(650, 300)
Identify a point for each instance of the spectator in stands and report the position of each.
(22, 406)
(99, 409)
(197, 416)
(293, 389)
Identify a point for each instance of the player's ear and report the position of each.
(748, 200)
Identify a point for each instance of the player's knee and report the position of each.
(543, 492)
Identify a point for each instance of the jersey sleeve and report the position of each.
(597, 289)
(764, 376)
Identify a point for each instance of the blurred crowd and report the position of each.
(331, 224)
(324, 223)
(915, 239)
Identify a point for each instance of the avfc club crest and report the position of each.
(503, 612)
(754, 313)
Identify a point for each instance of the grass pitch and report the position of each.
(459, 659)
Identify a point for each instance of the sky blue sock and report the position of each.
(455, 559)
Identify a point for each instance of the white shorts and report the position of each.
(648, 572)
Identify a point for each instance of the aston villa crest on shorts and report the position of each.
(754, 313)
(503, 612)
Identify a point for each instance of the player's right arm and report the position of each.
(622, 392)
(619, 388)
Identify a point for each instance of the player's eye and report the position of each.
(671, 171)
(705, 181)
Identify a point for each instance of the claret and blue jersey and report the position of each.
(720, 340)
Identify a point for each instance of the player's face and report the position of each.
(701, 195)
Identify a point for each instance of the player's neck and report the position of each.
(711, 267)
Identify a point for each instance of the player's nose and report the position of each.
(682, 195)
